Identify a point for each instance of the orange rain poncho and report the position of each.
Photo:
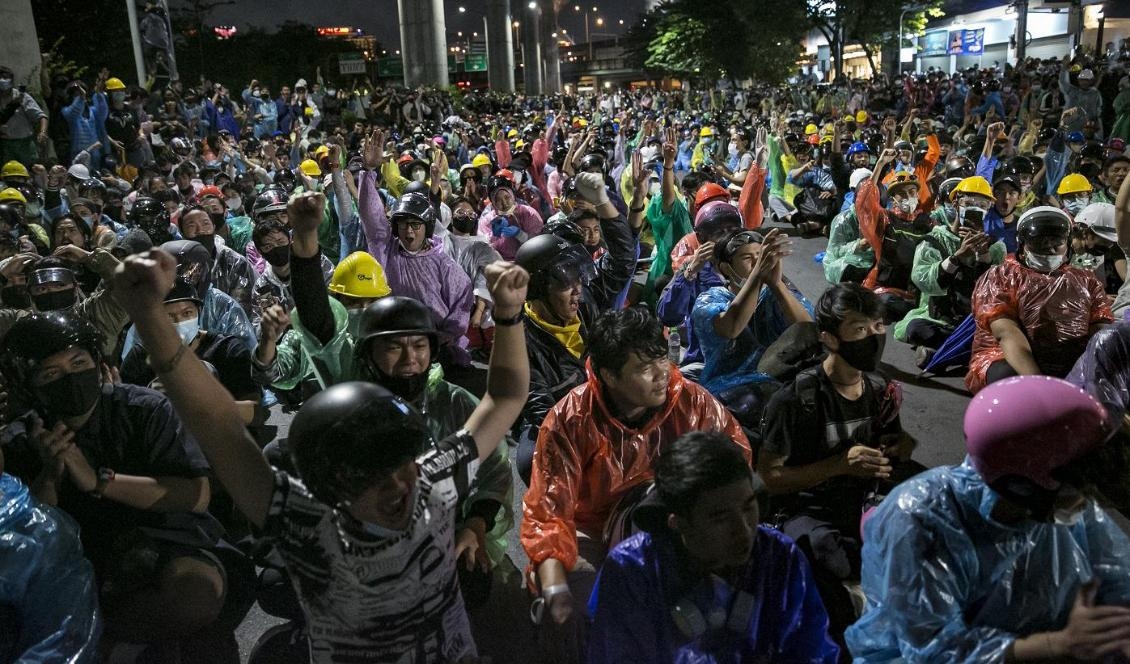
(1054, 310)
(586, 461)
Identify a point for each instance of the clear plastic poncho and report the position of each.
(45, 583)
(947, 583)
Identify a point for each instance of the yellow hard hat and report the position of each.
(480, 160)
(861, 116)
(14, 169)
(829, 129)
(115, 84)
(520, 144)
(513, 133)
(901, 180)
(1074, 184)
(825, 140)
(322, 151)
(310, 168)
(706, 131)
(359, 275)
(973, 185)
(810, 129)
(12, 194)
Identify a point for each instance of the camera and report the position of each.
(973, 218)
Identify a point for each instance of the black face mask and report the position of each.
(15, 296)
(863, 354)
(279, 256)
(218, 219)
(71, 395)
(208, 241)
(467, 224)
(408, 388)
(63, 299)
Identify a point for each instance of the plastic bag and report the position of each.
(45, 582)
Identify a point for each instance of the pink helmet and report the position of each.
(715, 219)
(1031, 425)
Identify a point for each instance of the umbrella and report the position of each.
(957, 349)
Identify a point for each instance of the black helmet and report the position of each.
(396, 316)
(286, 179)
(271, 200)
(946, 188)
(553, 260)
(1046, 135)
(959, 167)
(593, 161)
(181, 146)
(903, 145)
(144, 211)
(194, 264)
(1005, 179)
(1043, 221)
(92, 184)
(1019, 166)
(36, 337)
(183, 291)
(414, 205)
(559, 154)
(1093, 151)
(347, 437)
(565, 229)
(10, 215)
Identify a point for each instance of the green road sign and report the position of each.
(390, 67)
(475, 62)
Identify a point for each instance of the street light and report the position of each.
(462, 10)
(532, 5)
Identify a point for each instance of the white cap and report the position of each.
(1099, 217)
(300, 83)
(79, 172)
(1086, 75)
(859, 175)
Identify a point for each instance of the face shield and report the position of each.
(573, 266)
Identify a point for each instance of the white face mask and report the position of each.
(1043, 262)
(649, 153)
(654, 188)
(233, 203)
(906, 205)
(1076, 205)
(519, 177)
(188, 329)
(419, 175)
(732, 149)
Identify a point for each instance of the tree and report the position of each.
(720, 39)
(867, 23)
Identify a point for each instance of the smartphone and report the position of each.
(973, 218)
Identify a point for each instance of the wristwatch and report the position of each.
(507, 322)
(105, 476)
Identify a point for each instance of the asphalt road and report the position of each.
(932, 412)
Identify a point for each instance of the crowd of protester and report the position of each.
(587, 293)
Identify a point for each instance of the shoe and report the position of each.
(922, 356)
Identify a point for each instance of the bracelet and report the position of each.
(172, 363)
(509, 322)
(555, 589)
(637, 210)
(105, 476)
(668, 168)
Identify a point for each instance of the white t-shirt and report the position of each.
(380, 599)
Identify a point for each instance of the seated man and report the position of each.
(232, 273)
(875, 246)
(272, 240)
(833, 442)
(376, 494)
(1035, 313)
(1094, 245)
(1004, 557)
(595, 451)
(947, 266)
(706, 581)
(117, 460)
(735, 323)
(229, 355)
(697, 274)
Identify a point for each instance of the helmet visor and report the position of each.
(573, 266)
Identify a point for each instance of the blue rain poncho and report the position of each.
(640, 582)
(947, 583)
(47, 589)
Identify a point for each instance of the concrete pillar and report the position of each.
(19, 44)
(550, 55)
(500, 46)
(531, 49)
(423, 42)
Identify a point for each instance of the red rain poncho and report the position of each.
(586, 460)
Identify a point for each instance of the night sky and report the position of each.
(378, 17)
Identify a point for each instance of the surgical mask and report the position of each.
(1076, 205)
(732, 149)
(906, 206)
(863, 354)
(1043, 262)
(5, 84)
(71, 395)
(63, 299)
(649, 153)
(188, 329)
(419, 174)
(654, 188)
(467, 224)
(949, 211)
(118, 97)
(233, 203)
(519, 177)
(87, 219)
(15, 296)
(278, 256)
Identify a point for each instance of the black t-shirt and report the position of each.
(133, 431)
(229, 355)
